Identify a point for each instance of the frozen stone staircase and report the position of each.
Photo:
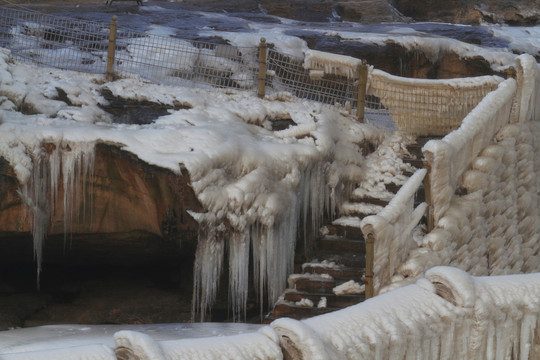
(334, 278)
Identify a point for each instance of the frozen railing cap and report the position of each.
(260, 345)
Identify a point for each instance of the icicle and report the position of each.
(40, 193)
(208, 265)
(239, 273)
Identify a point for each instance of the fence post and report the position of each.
(428, 197)
(111, 50)
(262, 69)
(362, 83)
(370, 254)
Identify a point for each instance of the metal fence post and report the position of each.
(262, 68)
(111, 50)
(428, 197)
(370, 254)
(362, 83)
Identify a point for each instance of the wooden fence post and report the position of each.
(262, 68)
(111, 50)
(370, 254)
(362, 83)
(429, 197)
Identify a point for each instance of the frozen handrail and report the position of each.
(392, 228)
(447, 315)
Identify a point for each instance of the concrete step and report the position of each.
(340, 244)
(332, 301)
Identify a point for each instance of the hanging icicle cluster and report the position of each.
(56, 166)
(270, 237)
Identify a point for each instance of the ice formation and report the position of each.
(56, 165)
(257, 187)
(484, 192)
(331, 64)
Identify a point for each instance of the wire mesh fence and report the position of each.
(428, 108)
(171, 60)
(54, 41)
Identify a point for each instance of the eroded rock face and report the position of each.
(125, 195)
(521, 12)
(129, 259)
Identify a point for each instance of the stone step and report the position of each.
(338, 272)
(417, 163)
(369, 200)
(359, 209)
(340, 244)
(332, 301)
(291, 310)
(343, 226)
(393, 188)
(313, 283)
(347, 259)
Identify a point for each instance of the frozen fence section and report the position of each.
(485, 185)
(447, 315)
(391, 231)
(174, 61)
(78, 45)
(322, 77)
(427, 107)
(54, 41)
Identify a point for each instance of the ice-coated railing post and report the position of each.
(262, 69)
(511, 73)
(428, 197)
(111, 50)
(370, 254)
(362, 83)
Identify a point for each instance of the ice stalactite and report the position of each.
(269, 229)
(208, 264)
(69, 164)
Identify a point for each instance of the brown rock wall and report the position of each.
(125, 195)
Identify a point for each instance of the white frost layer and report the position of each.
(51, 337)
(257, 345)
(349, 288)
(88, 352)
(332, 64)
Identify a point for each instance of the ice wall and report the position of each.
(257, 203)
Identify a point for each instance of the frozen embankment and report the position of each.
(255, 183)
(447, 315)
